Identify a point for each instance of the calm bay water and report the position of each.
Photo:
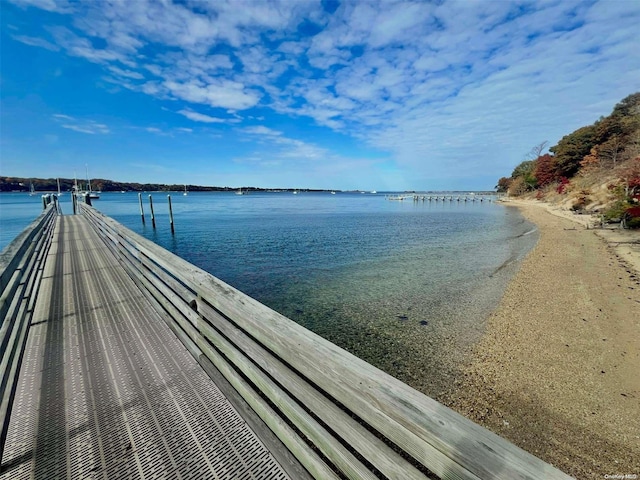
(404, 285)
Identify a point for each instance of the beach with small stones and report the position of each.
(557, 371)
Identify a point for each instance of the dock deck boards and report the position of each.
(106, 390)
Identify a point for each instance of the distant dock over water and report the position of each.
(122, 360)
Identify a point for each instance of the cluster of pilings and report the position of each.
(87, 200)
(153, 216)
(451, 198)
(441, 198)
(48, 199)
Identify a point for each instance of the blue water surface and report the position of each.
(405, 285)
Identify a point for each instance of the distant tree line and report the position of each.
(609, 148)
(16, 184)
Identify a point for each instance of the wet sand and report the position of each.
(558, 370)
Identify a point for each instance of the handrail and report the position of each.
(21, 264)
(340, 416)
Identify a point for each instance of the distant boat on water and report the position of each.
(88, 192)
(185, 190)
(32, 189)
(239, 192)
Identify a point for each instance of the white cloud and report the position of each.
(36, 42)
(60, 6)
(125, 73)
(262, 130)
(219, 93)
(80, 125)
(200, 117)
(283, 149)
(91, 128)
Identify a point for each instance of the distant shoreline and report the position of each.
(49, 185)
(557, 370)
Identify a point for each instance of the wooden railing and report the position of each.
(21, 265)
(338, 415)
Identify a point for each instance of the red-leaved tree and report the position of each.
(545, 170)
(631, 177)
(562, 186)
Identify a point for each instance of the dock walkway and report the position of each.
(106, 390)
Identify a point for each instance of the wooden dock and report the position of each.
(121, 360)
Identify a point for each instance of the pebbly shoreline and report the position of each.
(557, 370)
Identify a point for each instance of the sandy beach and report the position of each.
(558, 370)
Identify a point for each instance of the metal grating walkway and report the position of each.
(107, 391)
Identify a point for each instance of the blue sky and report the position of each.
(320, 94)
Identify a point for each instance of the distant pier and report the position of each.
(480, 198)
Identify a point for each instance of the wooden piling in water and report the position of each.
(153, 217)
(171, 214)
(141, 208)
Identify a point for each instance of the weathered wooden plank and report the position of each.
(21, 278)
(350, 466)
(438, 460)
(285, 458)
(42, 249)
(6, 300)
(10, 370)
(12, 254)
(24, 280)
(286, 434)
(364, 442)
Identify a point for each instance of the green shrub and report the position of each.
(633, 223)
(616, 211)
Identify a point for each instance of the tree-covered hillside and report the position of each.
(596, 167)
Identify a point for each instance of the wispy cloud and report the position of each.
(125, 73)
(282, 147)
(80, 125)
(36, 42)
(59, 6)
(262, 130)
(200, 117)
(219, 93)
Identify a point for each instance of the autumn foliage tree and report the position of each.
(545, 170)
(503, 184)
(525, 171)
(518, 187)
(630, 176)
(590, 162)
(572, 149)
